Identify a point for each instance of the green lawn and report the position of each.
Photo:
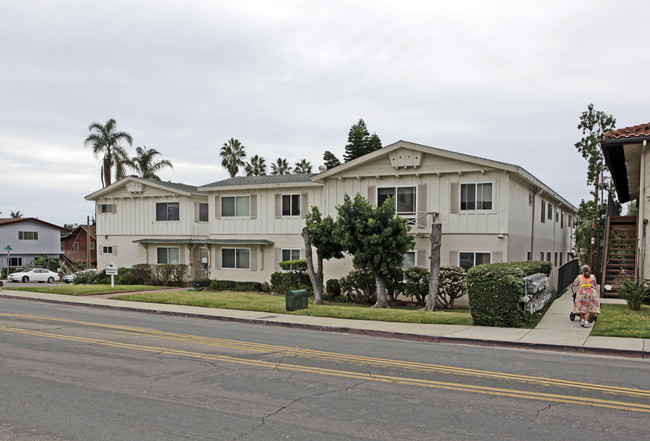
(276, 304)
(83, 290)
(620, 321)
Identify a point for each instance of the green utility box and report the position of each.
(297, 299)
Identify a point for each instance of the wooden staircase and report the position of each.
(620, 253)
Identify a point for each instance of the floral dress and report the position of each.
(586, 298)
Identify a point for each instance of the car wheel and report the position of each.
(50, 280)
(25, 279)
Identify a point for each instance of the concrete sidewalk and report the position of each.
(554, 332)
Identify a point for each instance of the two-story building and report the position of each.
(24, 239)
(241, 228)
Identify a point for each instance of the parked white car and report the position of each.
(34, 275)
(69, 278)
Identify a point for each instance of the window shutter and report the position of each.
(254, 259)
(197, 212)
(100, 250)
(453, 258)
(421, 258)
(253, 211)
(454, 200)
(217, 257)
(278, 206)
(114, 249)
(422, 206)
(278, 259)
(304, 204)
(217, 207)
(114, 208)
(496, 257)
(372, 194)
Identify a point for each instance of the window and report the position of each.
(543, 211)
(530, 199)
(92, 245)
(561, 259)
(169, 255)
(290, 205)
(203, 212)
(235, 206)
(550, 211)
(476, 196)
(548, 256)
(167, 211)
(106, 208)
(28, 235)
(555, 262)
(562, 219)
(290, 254)
(15, 261)
(409, 260)
(557, 215)
(528, 256)
(108, 249)
(75, 246)
(541, 255)
(468, 259)
(236, 258)
(404, 199)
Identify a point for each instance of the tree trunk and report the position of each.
(593, 227)
(436, 238)
(382, 302)
(316, 278)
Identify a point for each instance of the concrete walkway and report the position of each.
(554, 332)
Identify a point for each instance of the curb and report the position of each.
(364, 332)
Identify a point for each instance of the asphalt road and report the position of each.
(74, 373)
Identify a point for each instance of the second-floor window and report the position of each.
(476, 196)
(235, 206)
(290, 205)
(106, 208)
(167, 211)
(28, 235)
(404, 199)
(203, 212)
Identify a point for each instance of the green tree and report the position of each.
(330, 159)
(360, 142)
(319, 233)
(303, 167)
(145, 165)
(376, 237)
(280, 167)
(16, 214)
(593, 124)
(256, 166)
(232, 156)
(105, 143)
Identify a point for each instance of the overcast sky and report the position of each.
(503, 80)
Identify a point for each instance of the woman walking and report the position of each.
(586, 302)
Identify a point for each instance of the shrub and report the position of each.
(634, 293)
(168, 274)
(416, 284)
(266, 287)
(394, 283)
(281, 282)
(101, 277)
(495, 291)
(452, 284)
(359, 286)
(332, 289)
(202, 283)
(84, 278)
(124, 276)
(232, 285)
(51, 263)
(142, 274)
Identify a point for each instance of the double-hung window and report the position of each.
(167, 211)
(236, 258)
(203, 212)
(405, 199)
(169, 255)
(290, 205)
(235, 206)
(290, 254)
(468, 259)
(476, 196)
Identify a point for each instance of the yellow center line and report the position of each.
(634, 407)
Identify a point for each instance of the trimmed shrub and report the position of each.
(416, 284)
(168, 274)
(332, 289)
(394, 283)
(202, 283)
(142, 274)
(281, 282)
(84, 278)
(452, 284)
(359, 286)
(232, 285)
(495, 291)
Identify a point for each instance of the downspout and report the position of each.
(641, 216)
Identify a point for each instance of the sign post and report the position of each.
(8, 248)
(111, 270)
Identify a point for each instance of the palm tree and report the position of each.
(144, 165)
(105, 142)
(16, 214)
(280, 167)
(256, 167)
(303, 167)
(232, 154)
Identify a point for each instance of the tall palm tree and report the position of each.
(303, 167)
(280, 167)
(232, 154)
(256, 166)
(16, 214)
(144, 165)
(105, 142)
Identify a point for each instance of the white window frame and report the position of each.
(167, 219)
(28, 235)
(92, 245)
(404, 214)
(167, 255)
(236, 197)
(474, 252)
(207, 212)
(106, 208)
(476, 184)
(250, 252)
(75, 246)
(108, 249)
(291, 252)
(290, 196)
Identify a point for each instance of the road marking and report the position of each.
(594, 402)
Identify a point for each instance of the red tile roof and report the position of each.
(642, 130)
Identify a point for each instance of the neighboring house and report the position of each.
(80, 245)
(28, 239)
(490, 212)
(627, 243)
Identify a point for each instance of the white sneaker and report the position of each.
(586, 325)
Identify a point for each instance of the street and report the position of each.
(74, 373)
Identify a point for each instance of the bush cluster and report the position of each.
(452, 284)
(231, 285)
(359, 286)
(495, 291)
(281, 282)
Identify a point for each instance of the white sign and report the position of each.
(111, 270)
